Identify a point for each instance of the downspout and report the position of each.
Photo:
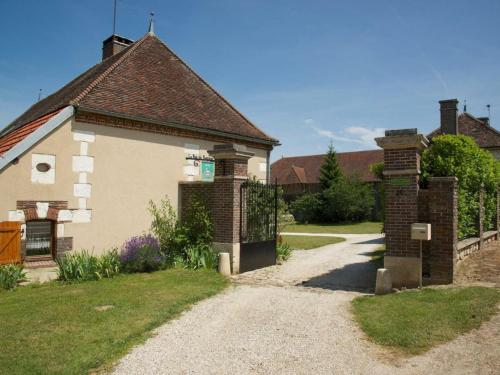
(268, 167)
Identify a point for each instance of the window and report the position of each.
(39, 238)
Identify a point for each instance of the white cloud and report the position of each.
(332, 135)
(360, 136)
(364, 135)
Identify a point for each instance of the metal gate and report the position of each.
(258, 229)
(10, 242)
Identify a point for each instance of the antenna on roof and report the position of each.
(488, 108)
(39, 94)
(151, 30)
(465, 105)
(114, 18)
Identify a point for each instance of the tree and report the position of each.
(475, 169)
(330, 172)
(348, 200)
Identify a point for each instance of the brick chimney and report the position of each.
(113, 45)
(449, 116)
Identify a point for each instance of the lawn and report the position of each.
(414, 321)
(355, 228)
(57, 328)
(309, 242)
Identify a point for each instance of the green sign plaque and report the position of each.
(207, 170)
(400, 181)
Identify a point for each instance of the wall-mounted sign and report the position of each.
(207, 170)
(400, 181)
(196, 159)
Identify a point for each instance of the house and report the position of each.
(300, 174)
(478, 128)
(79, 167)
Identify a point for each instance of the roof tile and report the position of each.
(14, 137)
(147, 80)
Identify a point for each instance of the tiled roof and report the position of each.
(147, 81)
(306, 169)
(17, 135)
(485, 135)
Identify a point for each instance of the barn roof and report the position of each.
(306, 169)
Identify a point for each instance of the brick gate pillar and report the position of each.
(443, 216)
(231, 170)
(402, 150)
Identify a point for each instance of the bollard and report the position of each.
(224, 264)
(384, 282)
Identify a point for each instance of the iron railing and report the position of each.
(259, 212)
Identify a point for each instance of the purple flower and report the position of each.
(130, 249)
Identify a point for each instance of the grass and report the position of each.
(309, 242)
(414, 321)
(55, 328)
(354, 228)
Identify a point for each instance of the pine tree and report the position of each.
(330, 172)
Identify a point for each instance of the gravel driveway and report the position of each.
(295, 319)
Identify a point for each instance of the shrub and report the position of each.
(83, 266)
(284, 216)
(197, 226)
(460, 156)
(186, 243)
(348, 200)
(142, 254)
(307, 208)
(11, 275)
(165, 225)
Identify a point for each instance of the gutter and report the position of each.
(36, 136)
(177, 125)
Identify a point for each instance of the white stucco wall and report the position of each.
(107, 175)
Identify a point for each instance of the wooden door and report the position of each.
(10, 242)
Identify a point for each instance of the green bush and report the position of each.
(11, 275)
(284, 216)
(307, 208)
(348, 200)
(197, 227)
(185, 243)
(83, 266)
(460, 156)
(165, 226)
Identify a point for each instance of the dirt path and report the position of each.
(481, 267)
(296, 319)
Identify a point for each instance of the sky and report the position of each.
(306, 72)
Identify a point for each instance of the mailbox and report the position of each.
(421, 231)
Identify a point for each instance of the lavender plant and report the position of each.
(142, 254)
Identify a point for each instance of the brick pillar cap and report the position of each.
(402, 140)
(230, 151)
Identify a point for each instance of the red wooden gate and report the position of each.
(10, 242)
